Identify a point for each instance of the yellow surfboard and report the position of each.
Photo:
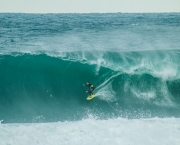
(91, 97)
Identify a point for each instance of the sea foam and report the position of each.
(91, 131)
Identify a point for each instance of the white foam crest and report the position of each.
(167, 72)
(167, 68)
(167, 98)
(144, 66)
(151, 94)
(148, 95)
(92, 58)
(100, 62)
(91, 131)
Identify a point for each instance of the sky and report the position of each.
(89, 6)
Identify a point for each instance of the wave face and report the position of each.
(132, 60)
(45, 88)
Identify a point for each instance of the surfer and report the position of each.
(91, 88)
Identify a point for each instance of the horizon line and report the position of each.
(87, 12)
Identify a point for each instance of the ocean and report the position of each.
(132, 59)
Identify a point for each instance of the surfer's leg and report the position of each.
(89, 91)
(92, 93)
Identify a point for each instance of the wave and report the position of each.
(47, 87)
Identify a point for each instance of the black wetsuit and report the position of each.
(91, 89)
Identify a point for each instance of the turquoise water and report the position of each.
(42, 88)
(132, 60)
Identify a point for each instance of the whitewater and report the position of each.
(131, 59)
(90, 131)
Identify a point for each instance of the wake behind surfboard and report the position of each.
(91, 97)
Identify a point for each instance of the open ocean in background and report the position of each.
(133, 60)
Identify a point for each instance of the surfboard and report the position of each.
(91, 97)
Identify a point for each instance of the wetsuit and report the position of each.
(91, 89)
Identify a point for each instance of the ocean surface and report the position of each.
(133, 60)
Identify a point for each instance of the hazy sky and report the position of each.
(86, 6)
